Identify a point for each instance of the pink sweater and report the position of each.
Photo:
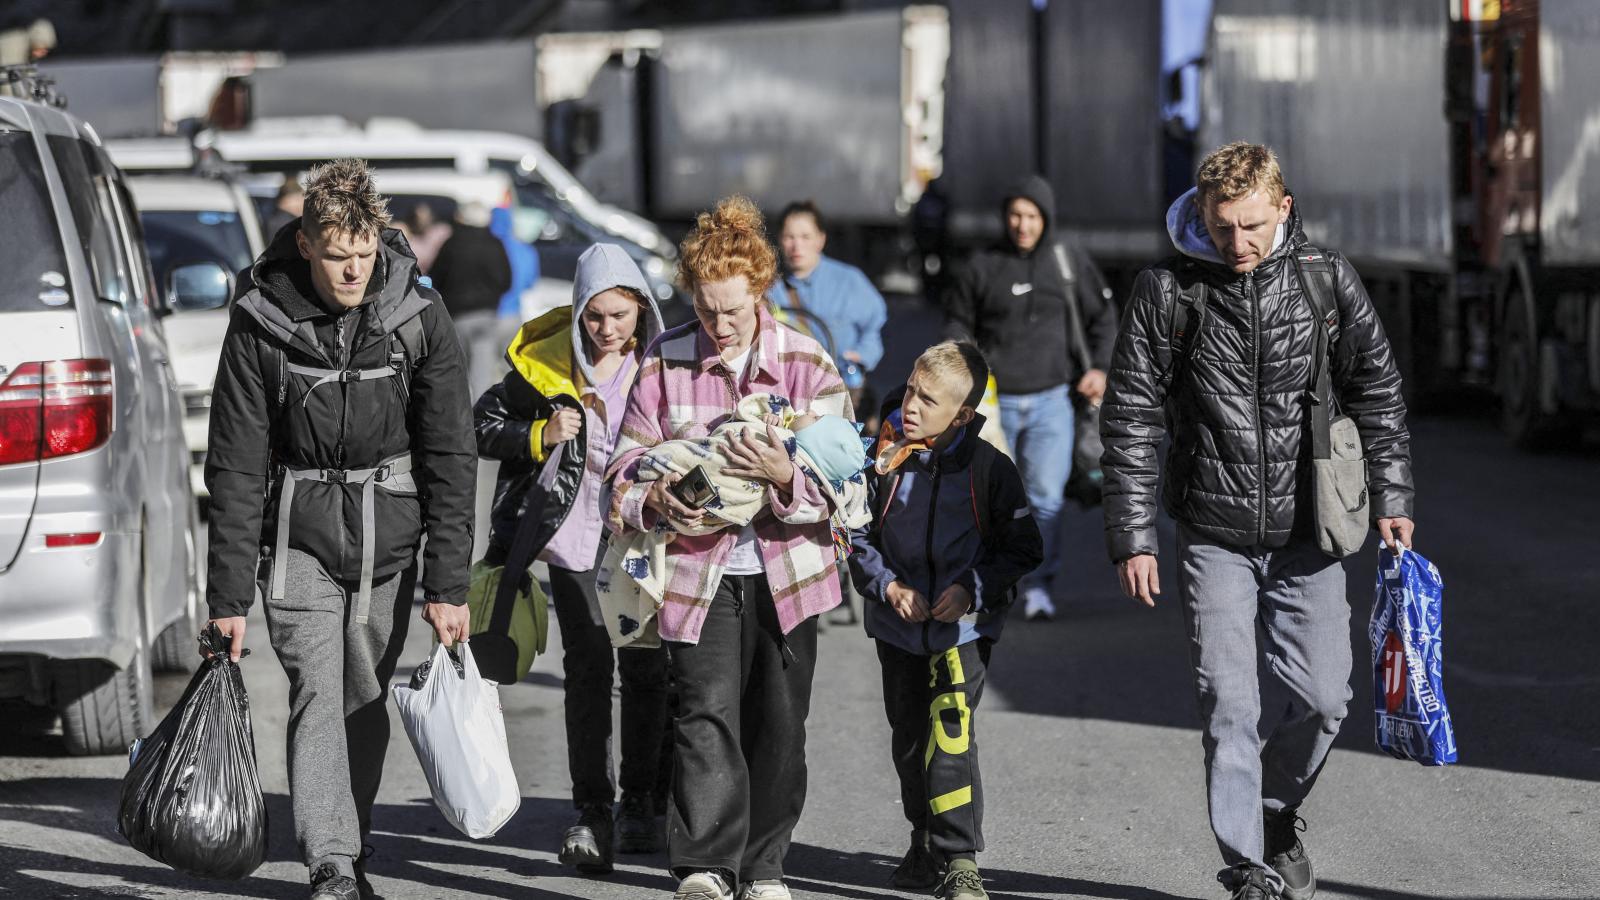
(684, 390)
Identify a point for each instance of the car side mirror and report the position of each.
(199, 285)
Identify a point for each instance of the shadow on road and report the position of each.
(834, 873)
(1514, 537)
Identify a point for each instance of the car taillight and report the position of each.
(58, 408)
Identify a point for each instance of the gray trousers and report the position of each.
(1293, 602)
(338, 681)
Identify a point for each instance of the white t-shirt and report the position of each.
(746, 556)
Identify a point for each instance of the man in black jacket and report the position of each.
(340, 435)
(1040, 311)
(1228, 382)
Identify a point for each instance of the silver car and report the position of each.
(98, 568)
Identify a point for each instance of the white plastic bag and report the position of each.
(453, 719)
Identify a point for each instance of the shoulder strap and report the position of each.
(408, 347)
(1185, 318)
(1315, 273)
(1080, 345)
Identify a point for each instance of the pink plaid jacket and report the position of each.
(683, 390)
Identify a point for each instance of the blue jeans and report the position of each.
(1039, 428)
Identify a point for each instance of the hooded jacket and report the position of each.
(265, 418)
(924, 533)
(1238, 470)
(550, 370)
(1013, 304)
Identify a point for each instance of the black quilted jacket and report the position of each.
(1238, 467)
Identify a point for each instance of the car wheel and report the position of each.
(103, 709)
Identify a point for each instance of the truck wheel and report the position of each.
(1521, 417)
(103, 709)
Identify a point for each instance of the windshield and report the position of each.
(33, 268)
(176, 237)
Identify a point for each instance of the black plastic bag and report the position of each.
(192, 795)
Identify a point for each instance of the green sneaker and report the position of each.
(962, 882)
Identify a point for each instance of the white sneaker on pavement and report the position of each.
(1038, 606)
(765, 890)
(703, 886)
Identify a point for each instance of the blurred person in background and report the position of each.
(426, 233)
(472, 273)
(1017, 301)
(291, 203)
(524, 261)
(572, 369)
(23, 45)
(837, 293)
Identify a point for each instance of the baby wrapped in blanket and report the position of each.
(828, 449)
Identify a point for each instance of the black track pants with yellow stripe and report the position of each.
(931, 702)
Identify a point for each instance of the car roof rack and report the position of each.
(28, 83)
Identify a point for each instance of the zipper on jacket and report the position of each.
(344, 389)
(933, 564)
(1255, 400)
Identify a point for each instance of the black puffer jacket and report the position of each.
(258, 429)
(1238, 468)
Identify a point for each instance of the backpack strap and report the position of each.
(1075, 333)
(1185, 317)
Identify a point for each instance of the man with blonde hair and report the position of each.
(1237, 346)
(340, 408)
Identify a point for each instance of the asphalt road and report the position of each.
(1091, 755)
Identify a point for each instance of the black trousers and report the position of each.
(744, 693)
(587, 661)
(931, 702)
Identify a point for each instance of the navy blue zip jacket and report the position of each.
(925, 533)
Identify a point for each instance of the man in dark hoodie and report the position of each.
(1043, 316)
(1232, 385)
(341, 410)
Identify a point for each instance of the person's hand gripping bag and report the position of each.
(1408, 661)
(452, 715)
(192, 795)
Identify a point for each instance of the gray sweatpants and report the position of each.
(1293, 601)
(338, 681)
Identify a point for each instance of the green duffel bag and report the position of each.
(511, 649)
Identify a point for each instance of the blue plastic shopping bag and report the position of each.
(1408, 661)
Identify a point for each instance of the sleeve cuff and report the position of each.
(536, 446)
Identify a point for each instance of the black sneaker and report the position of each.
(636, 826)
(328, 884)
(1287, 855)
(1248, 883)
(587, 844)
(921, 868)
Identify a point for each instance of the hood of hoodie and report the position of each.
(601, 268)
(549, 351)
(283, 299)
(1187, 229)
(1036, 190)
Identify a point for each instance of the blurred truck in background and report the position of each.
(1450, 149)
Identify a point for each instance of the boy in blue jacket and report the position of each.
(951, 535)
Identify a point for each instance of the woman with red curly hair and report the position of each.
(740, 605)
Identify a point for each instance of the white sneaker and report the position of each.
(765, 890)
(1038, 606)
(704, 886)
